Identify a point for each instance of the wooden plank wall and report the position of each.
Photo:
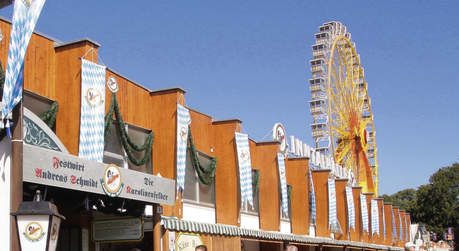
(367, 235)
(380, 237)
(388, 218)
(266, 161)
(356, 234)
(341, 208)
(320, 178)
(297, 177)
(397, 226)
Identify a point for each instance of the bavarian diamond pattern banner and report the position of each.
(313, 200)
(25, 16)
(363, 208)
(350, 207)
(92, 121)
(401, 227)
(183, 120)
(406, 230)
(383, 222)
(332, 215)
(245, 168)
(374, 217)
(283, 182)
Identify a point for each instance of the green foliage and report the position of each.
(206, 175)
(437, 203)
(49, 117)
(404, 199)
(128, 145)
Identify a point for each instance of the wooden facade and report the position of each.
(53, 70)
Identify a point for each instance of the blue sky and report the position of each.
(249, 60)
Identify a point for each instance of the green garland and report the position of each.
(255, 181)
(206, 175)
(49, 117)
(128, 145)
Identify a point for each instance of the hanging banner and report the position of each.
(25, 16)
(383, 222)
(374, 217)
(401, 226)
(394, 229)
(333, 223)
(313, 200)
(183, 120)
(92, 119)
(283, 182)
(363, 208)
(245, 168)
(350, 207)
(406, 230)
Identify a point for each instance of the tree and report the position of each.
(437, 203)
(404, 199)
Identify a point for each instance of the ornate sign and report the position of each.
(112, 84)
(33, 231)
(47, 167)
(187, 242)
(94, 97)
(280, 135)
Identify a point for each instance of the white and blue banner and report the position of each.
(394, 227)
(333, 222)
(283, 182)
(25, 16)
(183, 121)
(406, 230)
(364, 209)
(374, 217)
(350, 207)
(383, 222)
(245, 168)
(313, 200)
(92, 117)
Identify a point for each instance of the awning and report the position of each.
(174, 224)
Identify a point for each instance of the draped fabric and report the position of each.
(363, 206)
(383, 222)
(374, 217)
(92, 115)
(313, 200)
(245, 168)
(283, 182)
(350, 207)
(333, 222)
(25, 16)
(183, 120)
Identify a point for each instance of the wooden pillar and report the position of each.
(356, 234)
(396, 241)
(297, 177)
(367, 236)
(341, 208)
(388, 218)
(408, 222)
(16, 171)
(156, 227)
(226, 177)
(320, 178)
(380, 236)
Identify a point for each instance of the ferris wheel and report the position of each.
(342, 118)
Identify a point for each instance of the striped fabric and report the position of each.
(374, 217)
(25, 17)
(183, 120)
(313, 200)
(283, 182)
(333, 222)
(92, 111)
(383, 222)
(394, 229)
(401, 226)
(350, 207)
(245, 168)
(363, 207)
(406, 230)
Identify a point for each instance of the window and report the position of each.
(255, 192)
(115, 153)
(195, 191)
(36, 103)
